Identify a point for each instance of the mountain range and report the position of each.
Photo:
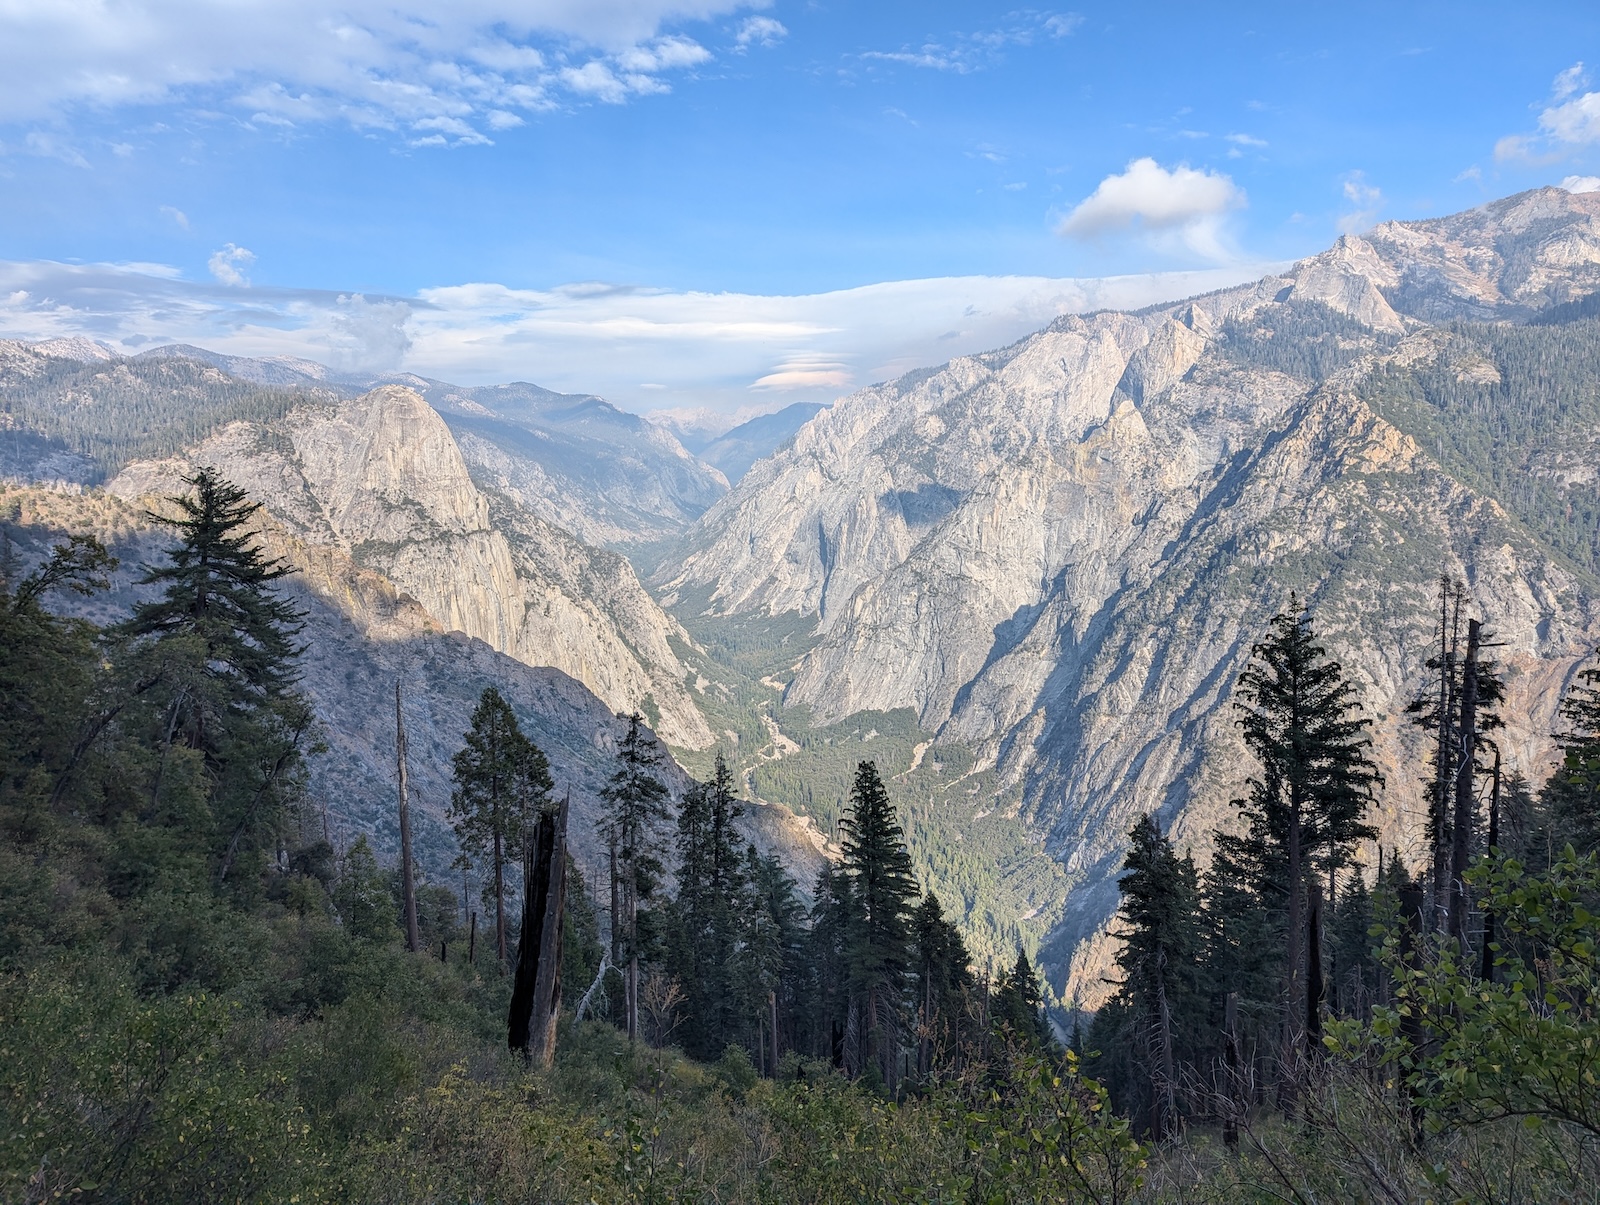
(1024, 581)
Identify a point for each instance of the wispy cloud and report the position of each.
(1367, 199)
(1184, 205)
(229, 264)
(177, 215)
(718, 349)
(759, 31)
(374, 64)
(972, 51)
(1569, 122)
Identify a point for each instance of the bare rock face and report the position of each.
(361, 636)
(1060, 553)
(381, 479)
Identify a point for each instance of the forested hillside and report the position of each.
(209, 1000)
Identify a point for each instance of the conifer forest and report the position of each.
(206, 999)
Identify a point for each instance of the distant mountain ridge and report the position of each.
(1039, 569)
(1059, 553)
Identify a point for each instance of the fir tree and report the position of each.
(774, 895)
(878, 943)
(827, 958)
(1017, 1005)
(1160, 943)
(637, 804)
(710, 909)
(944, 982)
(1308, 803)
(499, 779)
(220, 644)
(215, 588)
(48, 674)
(1572, 797)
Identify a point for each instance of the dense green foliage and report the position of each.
(502, 779)
(199, 1010)
(1511, 411)
(123, 410)
(1302, 338)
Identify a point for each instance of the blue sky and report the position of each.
(690, 203)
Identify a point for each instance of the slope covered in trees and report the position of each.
(206, 1000)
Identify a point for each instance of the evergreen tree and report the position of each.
(1572, 796)
(219, 643)
(636, 805)
(709, 912)
(1307, 805)
(48, 674)
(827, 958)
(1160, 945)
(215, 588)
(878, 942)
(500, 779)
(1017, 1005)
(943, 985)
(766, 953)
(775, 894)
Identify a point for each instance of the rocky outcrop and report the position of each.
(1059, 554)
(381, 479)
(361, 635)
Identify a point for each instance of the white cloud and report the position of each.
(228, 264)
(49, 146)
(367, 336)
(723, 350)
(1246, 140)
(1185, 203)
(759, 31)
(1367, 199)
(1570, 121)
(1581, 184)
(1061, 25)
(372, 63)
(1575, 122)
(1568, 82)
(451, 130)
(177, 215)
(664, 55)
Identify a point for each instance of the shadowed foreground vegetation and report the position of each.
(203, 1001)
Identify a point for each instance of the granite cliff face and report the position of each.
(1060, 553)
(361, 636)
(381, 479)
(609, 477)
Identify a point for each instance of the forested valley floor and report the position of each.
(203, 1000)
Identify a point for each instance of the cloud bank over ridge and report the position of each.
(642, 348)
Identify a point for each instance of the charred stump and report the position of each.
(536, 988)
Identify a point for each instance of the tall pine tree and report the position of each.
(709, 912)
(878, 951)
(219, 647)
(500, 781)
(1307, 804)
(637, 805)
(1160, 947)
(943, 987)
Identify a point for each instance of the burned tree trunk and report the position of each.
(1316, 988)
(1494, 845)
(1461, 823)
(536, 988)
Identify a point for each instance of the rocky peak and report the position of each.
(387, 469)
